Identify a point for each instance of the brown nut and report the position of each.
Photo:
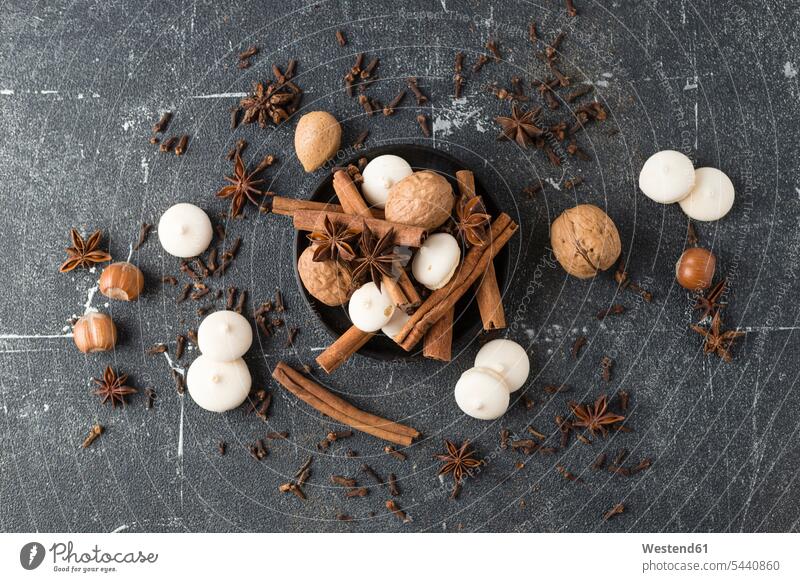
(695, 269)
(94, 332)
(585, 241)
(122, 281)
(423, 199)
(327, 281)
(316, 139)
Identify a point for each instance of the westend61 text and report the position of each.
(671, 549)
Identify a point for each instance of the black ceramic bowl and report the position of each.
(467, 322)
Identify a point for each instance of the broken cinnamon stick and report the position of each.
(340, 351)
(404, 235)
(439, 339)
(487, 295)
(331, 405)
(472, 267)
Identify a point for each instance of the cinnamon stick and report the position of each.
(439, 339)
(487, 295)
(404, 235)
(331, 405)
(288, 206)
(339, 351)
(472, 267)
(350, 198)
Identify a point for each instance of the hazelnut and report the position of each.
(328, 281)
(122, 281)
(585, 241)
(94, 332)
(695, 269)
(423, 199)
(316, 139)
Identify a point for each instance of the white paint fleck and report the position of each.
(219, 96)
(691, 83)
(789, 70)
(87, 307)
(601, 83)
(6, 91)
(459, 115)
(608, 75)
(120, 528)
(553, 183)
(145, 165)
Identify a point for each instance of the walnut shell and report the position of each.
(423, 199)
(327, 281)
(316, 139)
(585, 241)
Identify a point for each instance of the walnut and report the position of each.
(327, 281)
(585, 241)
(423, 199)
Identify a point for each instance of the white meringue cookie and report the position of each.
(667, 177)
(507, 358)
(712, 196)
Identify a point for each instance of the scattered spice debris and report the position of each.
(399, 513)
(615, 309)
(150, 398)
(340, 38)
(144, 230)
(606, 367)
(618, 509)
(422, 120)
(418, 94)
(94, 432)
(390, 450)
(577, 346)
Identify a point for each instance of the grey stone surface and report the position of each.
(81, 83)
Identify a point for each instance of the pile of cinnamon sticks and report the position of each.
(431, 320)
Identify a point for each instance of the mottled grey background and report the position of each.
(81, 83)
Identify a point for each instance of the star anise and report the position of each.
(242, 187)
(377, 256)
(112, 387)
(333, 242)
(458, 460)
(472, 220)
(520, 126)
(83, 253)
(709, 303)
(717, 341)
(595, 417)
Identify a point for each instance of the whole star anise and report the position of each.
(717, 341)
(242, 187)
(594, 417)
(333, 242)
(472, 220)
(377, 257)
(83, 253)
(112, 387)
(458, 461)
(520, 126)
(709, 303)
